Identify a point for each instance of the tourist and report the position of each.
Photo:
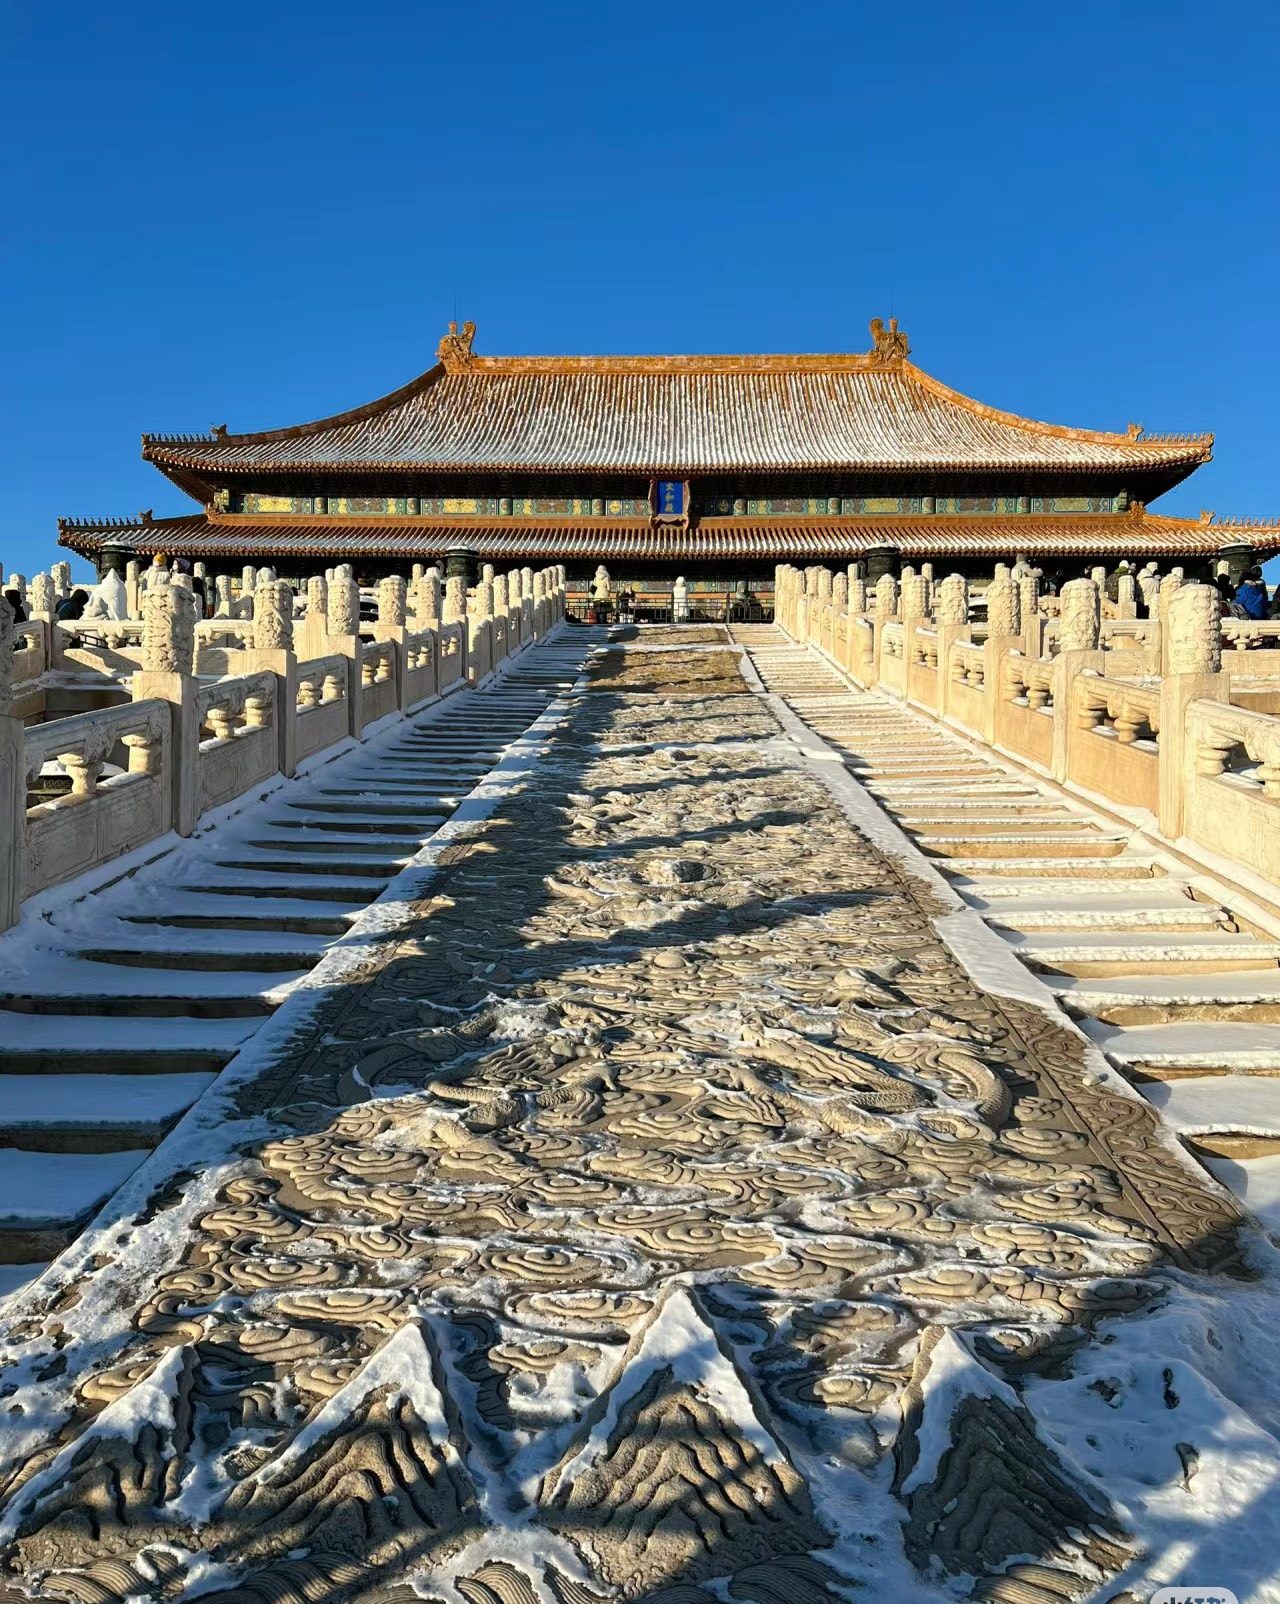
(72, 607)
(1251, 594)
(14, 598)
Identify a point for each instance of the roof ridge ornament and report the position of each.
(888, 344)
(1134, 431)
(454, 349)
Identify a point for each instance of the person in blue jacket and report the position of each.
(1251, 594)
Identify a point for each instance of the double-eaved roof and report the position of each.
(509, 419)
(673, 415)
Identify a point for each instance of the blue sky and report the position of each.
(258, 214)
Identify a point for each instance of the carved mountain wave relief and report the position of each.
(599, 1222)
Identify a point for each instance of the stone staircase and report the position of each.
(120, 1008)
(1174, 975)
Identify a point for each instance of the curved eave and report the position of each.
(714, 539)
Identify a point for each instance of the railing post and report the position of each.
(1004, 635)
(455, 612)
(13, 782)
(480, 632)
(344, 640)
(392, 626)
(168, 659)
(272, 652)
(1191, 630)
(951, 611)
(885, 612)
(915, 615)
(1079, 631)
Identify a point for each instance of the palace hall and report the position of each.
(714, 468)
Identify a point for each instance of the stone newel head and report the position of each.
(1080, 618)
(952, 598)
(273, 616)
(1028, 596)
(915, 596)
(455, 599)
(426, 598)
(344, 605)
(480, 603)
(886, 596)
(168, 631)
(42, 595)
(392, 603)
(6, 655)
(1004, 615)
(1195, 630)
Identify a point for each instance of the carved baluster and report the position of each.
(1213, 749)
(1128, 718)
(83, 768)
(258, 708)
(221, 719)
(146, 752)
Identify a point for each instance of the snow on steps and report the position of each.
(1167, 981)
(116, 1017)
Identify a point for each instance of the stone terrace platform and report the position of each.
(684, 1192)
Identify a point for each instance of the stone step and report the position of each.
(293, 864)
(1245, 997)
(1121, 952)
(93, 1113)
(138, 1005)
(264, 920)
(45, 1198)
(1049, 870)
(13, 1277)
(924, 824)
(74, 1056)
(364, 849)
(1239, 1106)
(1010, 891)
(1190, 1047)
(385, 829)
(335, 897)
(361, 807)
(1109, 913)
(253, 961)
(1027, 845)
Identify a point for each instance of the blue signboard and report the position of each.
(671, 498)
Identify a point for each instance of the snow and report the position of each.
(30, 1100)
(1244, 1103)
(47, 1188)
(953, 1375)
(403, 1368)
(1255, 1181)
(15, 1276)
(1177, 1415)
(148, 1402)
(677, 1337)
